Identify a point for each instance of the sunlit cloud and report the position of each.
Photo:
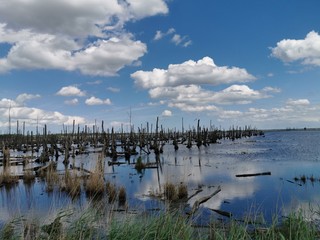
(166, 113)
(306, 50)
(97, 101)
(71, 91)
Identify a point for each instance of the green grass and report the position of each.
(92, 224)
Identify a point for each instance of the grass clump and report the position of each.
(71, 184)
(139, 164)
(28, 176)
(111, 191)
(170, 192)
(122, 196)
(165, 226)
(182, 191)
(95, 185)
(6, 178)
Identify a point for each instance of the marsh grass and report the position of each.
(182, 191)
(90, 223)
(111, 192)
(95, 184)
(122, 196)
(165, 226)
(52, 179)
(28, 176)
(170, 192)
(71, 183)
(139, 165)
(6, 178)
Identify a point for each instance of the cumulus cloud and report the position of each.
(298, 102)
(194, 98)
(204, 71)
(295, 113)
(97, 101)
(185, 86)
(306, 50)
(25, 97)
(71, 91)
(61, 28)
(73, 101)
(32, 116)
(166, 113)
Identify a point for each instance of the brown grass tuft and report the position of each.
(111, 191)
(122, 195)
(170, 192)
(182, 191)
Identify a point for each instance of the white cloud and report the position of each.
(97, 101)
(101, 58)
(306, 50)
(204, 71)
(25, 97)
(71, 91)
(97, 82)
(78, 18)
(166, 113)
(60, 29)
(195, 98)
(74, 101)
(299, 102)
(32, 116)
(295, 113)
(177, 39)
(112, 89)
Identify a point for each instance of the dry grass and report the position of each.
(6, 178)
(28, 176)
(52, 179)
(71, 184)
(95, 184)
(170, 192)
(122, 196)
(182, 191)
(111, 191)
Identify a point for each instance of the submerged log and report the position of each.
(253, 174)
(223, 213)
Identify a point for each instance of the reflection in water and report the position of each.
(285, 154)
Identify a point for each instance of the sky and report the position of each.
(127, 62)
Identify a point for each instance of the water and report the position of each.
(288, 155)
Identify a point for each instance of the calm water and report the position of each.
(286, 154)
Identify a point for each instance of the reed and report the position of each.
(28, 176)
(71, 184)
(170, 192)
(111, 191)
(95, 184)
(182, 191)
(122, 196)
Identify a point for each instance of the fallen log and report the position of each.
(253, 174)
(197, 203)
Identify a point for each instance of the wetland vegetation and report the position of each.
(152, 182)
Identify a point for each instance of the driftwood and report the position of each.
(253, 174)
(198, 191)
(197, 203)
(44, 168)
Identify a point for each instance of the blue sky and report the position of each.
(224, 62)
